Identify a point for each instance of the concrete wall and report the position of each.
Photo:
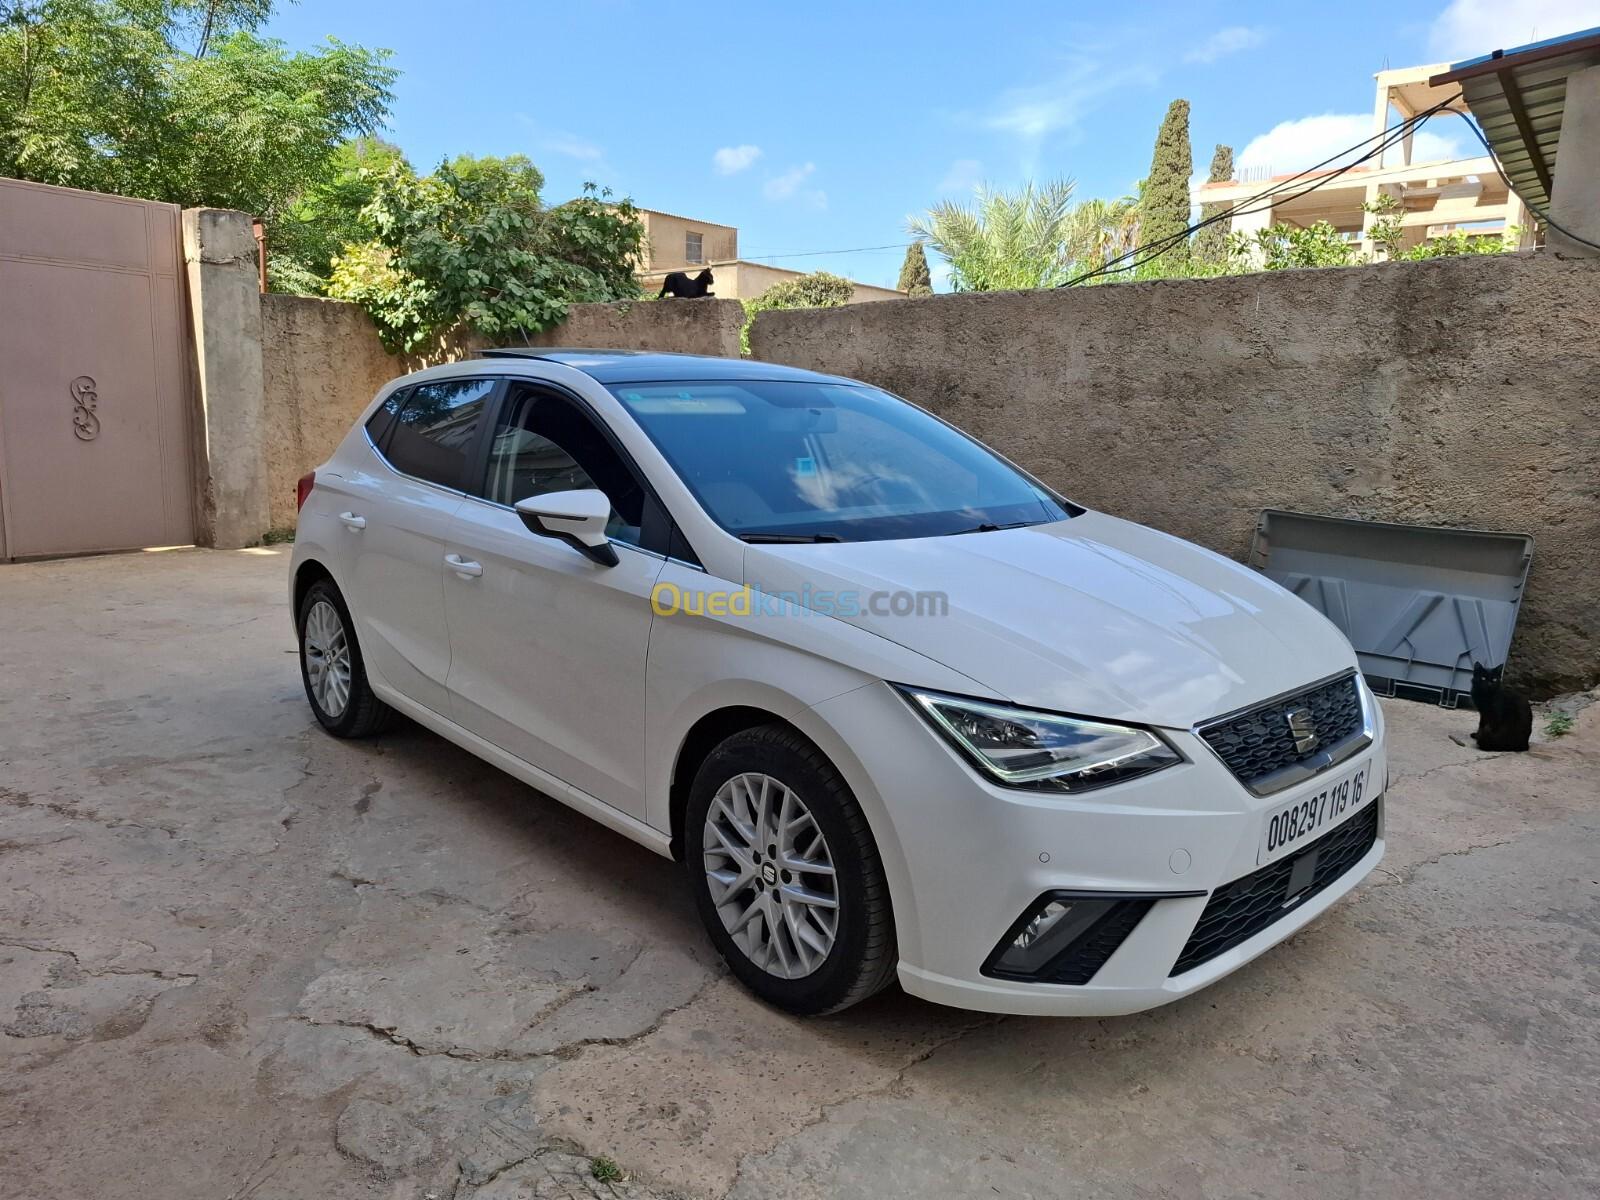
(322, 362)
(743, 280)
(220, 260)
(677, 326)
(1462, 392)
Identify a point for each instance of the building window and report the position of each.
(693, 248)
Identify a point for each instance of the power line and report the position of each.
(816, 253)
(1542, 214)
(1142, 254)
(1386, 138)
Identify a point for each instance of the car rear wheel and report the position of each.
(786, 875)
(331, 667)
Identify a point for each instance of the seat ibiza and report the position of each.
(901, 710)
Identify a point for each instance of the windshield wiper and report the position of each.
(988, 527)
(787, 539)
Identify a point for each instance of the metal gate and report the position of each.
(95, 450)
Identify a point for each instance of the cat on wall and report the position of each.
(1505, 718)
(680, 285)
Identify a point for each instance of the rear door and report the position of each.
(395, 519)
(547, 646)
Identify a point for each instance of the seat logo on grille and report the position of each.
(1301, 729)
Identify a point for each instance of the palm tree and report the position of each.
(1020, 239)
(1103, 230)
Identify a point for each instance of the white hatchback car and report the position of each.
(900, 709)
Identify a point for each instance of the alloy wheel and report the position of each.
(771, 875)
(327, 657)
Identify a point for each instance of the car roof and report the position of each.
(642, 366)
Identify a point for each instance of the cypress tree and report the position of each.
(1164, 204)
(1211, 243)
(914, 277)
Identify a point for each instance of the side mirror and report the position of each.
(576, 518)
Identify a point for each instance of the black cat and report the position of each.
(684, 288)
(1505, 718)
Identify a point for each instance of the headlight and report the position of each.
(1044, 751)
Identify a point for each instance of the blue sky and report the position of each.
(820, 126)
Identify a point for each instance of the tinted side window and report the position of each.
(378, 424)
(433, 432)
(546, 443)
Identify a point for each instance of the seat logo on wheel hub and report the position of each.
(769, 874)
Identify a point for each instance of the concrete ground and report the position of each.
(241, 959)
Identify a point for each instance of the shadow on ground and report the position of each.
(239, 958)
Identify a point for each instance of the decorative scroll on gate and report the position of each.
(85, 399)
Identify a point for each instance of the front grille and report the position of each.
(1260, 743)
(1239, 910)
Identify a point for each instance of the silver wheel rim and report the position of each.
(771, 875)
(326, 650)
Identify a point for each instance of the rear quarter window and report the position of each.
(379, 422)
(434, 428)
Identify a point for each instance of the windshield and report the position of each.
(804, 461)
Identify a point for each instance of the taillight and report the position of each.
(303, 488)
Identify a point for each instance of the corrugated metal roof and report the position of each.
(1518, 97)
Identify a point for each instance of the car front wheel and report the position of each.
(786, 875)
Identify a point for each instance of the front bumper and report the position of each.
(965, 858)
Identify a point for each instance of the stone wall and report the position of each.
(1461, 392)
(323, 362)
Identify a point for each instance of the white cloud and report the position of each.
(782, 187)
(1468, 28)
(730, 160)
(1075, 92)
(1225, 42)
(573, 147)
(1295, 145)
(964, 175)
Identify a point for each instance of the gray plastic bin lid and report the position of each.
(1419, 603)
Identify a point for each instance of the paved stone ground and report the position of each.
(241, 959)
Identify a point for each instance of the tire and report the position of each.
(793, 971)
(361, 713)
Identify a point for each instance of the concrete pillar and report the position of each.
(219, 254)
(1519, 218)
(1575, 196)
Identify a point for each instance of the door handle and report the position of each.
(352, 521)
(463, 567)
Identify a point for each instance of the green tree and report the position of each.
(1283, 247)
(177, 100)
(1020, 239)
(1460, 241)
(1164, 201)
(1102, 230)
(1385, 229)
(473, 243)
(1211, 242)
(316, 226)
(914, 277)
(816, 290)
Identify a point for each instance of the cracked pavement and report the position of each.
(241, 959)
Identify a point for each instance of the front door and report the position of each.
(547, 646)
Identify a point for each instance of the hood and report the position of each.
(1093, 616)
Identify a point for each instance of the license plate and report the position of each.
(1299, 822)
